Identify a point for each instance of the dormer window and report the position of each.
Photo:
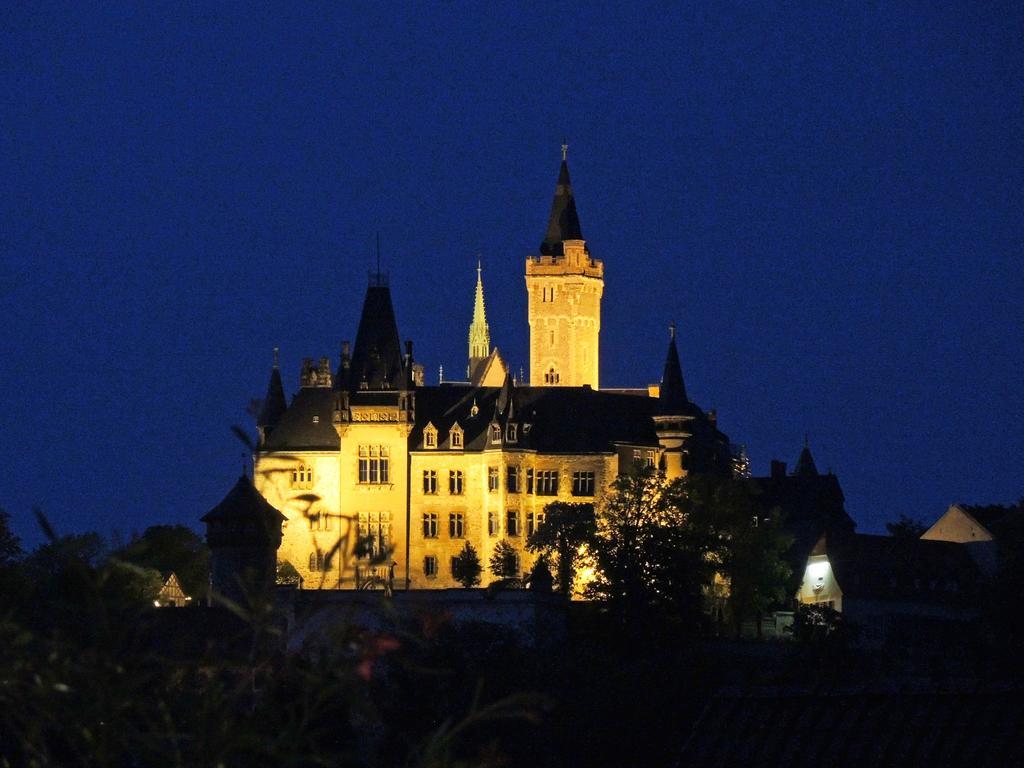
(455, 437)
(430, 436)
(495, 433)
(511, 433)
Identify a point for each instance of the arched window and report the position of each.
(302, 476)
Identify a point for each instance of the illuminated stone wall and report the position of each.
(564, 311)
(477, 503)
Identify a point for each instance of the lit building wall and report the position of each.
(564, 312)
(819, 584)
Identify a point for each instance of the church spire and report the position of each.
(479, 331)
(672, 394)
(564, 222)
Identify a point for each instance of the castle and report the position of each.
(367, 452)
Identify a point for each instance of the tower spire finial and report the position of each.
(277, 357)
(565, 149)
(672, 329)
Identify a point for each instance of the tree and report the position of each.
(747, 547)
(505, 562)
(647, 559)
(906, 528)
(466, 567)
(540, 579)
(567, 529)
(10, 546)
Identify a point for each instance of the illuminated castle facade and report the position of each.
(367, 452)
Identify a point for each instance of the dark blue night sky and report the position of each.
(828, 202)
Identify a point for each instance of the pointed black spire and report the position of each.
(805, 464)
(274, 404)
(672, 394)
(564, 222)
(377, 357)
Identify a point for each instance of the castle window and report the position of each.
(512, 480)
(320, 521)
(650, 459)
(455, 437)
(455, 482)
(429, 436)
(582, 483)
(492, 479)
(493, 524)
(374, 533)
(529, 481)
(512, 522)
(374, 465)
(316, 419)
(534, 520)
(551, 377)
(430, 481)
(551, 338)
(495, 433)
(547, 482)
(430, 525)
(510, 433)
(456, 525)
(317, 561)
(637, 455)
(302, 476)
(430, 566)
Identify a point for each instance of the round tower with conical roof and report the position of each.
(243, 532)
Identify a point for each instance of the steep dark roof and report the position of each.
(805, 464)
(307, 424)
(561, 419)
(672, 398)
(377, 357)
(855, 727)
(274, 404)
(895, 568)
(564, 222)
(243, 516)
(811, 506)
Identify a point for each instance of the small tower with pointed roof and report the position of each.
(564, 286)
(274, 404)
(243, 532)
(673, 413)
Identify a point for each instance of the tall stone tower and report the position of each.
(479, 331)
(564, 287)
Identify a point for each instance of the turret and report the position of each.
(673, 412)
(274, 404)
(243, 532)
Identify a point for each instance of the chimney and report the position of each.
(778, 469)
